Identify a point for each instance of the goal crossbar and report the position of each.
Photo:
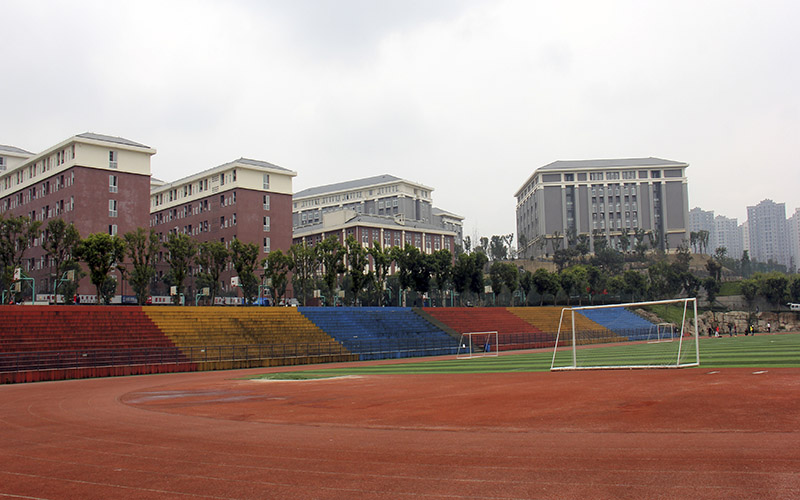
(568, 314)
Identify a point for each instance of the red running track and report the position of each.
(670, 434)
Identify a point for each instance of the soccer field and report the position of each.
(760, 351)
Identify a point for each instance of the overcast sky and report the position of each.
(467, 97)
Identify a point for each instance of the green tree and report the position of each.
(59, 243)
(441, 265)
(358, 267)
(702, 240)
(569, 283)
(691, 284)
(794, 289)
(610, 261)
(525, 284)
(462, 270)
(211, 258)
(745, 265)
(276, 271)
(504, 274)
(624, 240)
(597, 279)
(244, 257)
(101, 252)
(636, 284)
(497, 248)
(749, 289)
(468, 273)
(142, 249)
(181, 250)
(683, 258)
(331, 254)
(381, 262)
(640, 247)
(305, 262)
(774, 287)
(712, 287)
(545, 283)
(665, 280)
(16, 236)
(714, 269)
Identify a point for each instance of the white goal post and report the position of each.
(662, 332)
(478, 345)
(614, 337)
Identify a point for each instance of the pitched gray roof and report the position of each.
(611, 163)
(259, 163)
(13, 149)
(108, 138)
(344, 186)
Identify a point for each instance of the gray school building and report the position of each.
(602, 197)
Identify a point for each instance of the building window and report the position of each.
(112, 184)
(596, 176)
(267, 244)
(266, 181)
(266, 223)
(112, 159)
(112, 208)
(112, 229)
(266, 202)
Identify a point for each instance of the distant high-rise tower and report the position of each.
(793, 231)
(768, 236)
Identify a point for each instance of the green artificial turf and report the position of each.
(761, 351)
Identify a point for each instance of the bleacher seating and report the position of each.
(513, 332)
(622, 321)
(381, 332)
(222, 333)
(54, 337)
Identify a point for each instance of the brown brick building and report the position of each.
(97, 182)
(246, 199)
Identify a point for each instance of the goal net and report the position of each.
(477, 345)
(621, 336)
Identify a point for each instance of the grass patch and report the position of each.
(730, 288)
(761, 351)
(671, 313)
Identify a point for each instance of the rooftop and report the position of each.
(108, 138)
(15, 150)
(611, 163)
(350, 185)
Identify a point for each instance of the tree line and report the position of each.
(349, 273)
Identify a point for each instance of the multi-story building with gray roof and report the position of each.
(391, 200)
(602, 198)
